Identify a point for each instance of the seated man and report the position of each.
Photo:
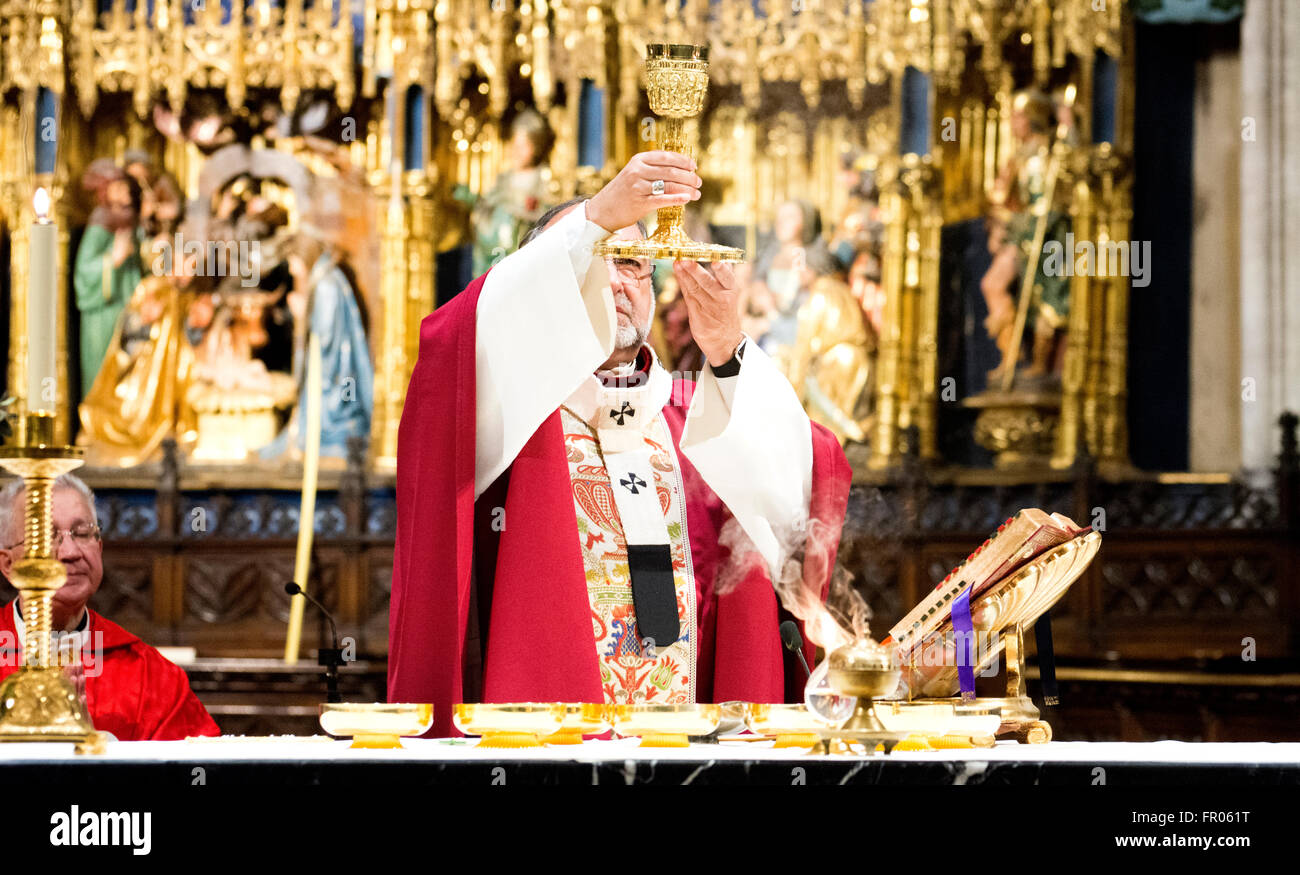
(575, 526)
(132, 690)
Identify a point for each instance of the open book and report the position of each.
(1017, 542)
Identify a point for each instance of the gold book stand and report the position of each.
(1005, 609)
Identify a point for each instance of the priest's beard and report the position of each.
(631, 336)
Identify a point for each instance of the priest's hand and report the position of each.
(713, 307)
(630, 195)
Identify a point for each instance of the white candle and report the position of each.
(42, 296)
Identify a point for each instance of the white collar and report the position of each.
(619, 408)
(74, 639)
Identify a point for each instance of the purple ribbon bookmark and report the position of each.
(964, 632)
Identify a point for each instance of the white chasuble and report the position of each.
(627, 492)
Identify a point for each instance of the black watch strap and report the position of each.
(731, 367)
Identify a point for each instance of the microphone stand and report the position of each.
(330, 658)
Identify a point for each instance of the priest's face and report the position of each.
(633, 290)
(78, 547)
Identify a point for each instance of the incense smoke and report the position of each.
(804, 564)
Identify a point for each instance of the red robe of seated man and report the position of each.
(132, 690)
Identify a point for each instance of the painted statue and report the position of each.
(1018, 199)
(523, 190)
(325, 304)
(138, 396)
(108, 266)
(830, 363)
(784, 273)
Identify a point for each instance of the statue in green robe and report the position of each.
(108, 266)
(522, 191)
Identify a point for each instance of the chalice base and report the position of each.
(41, 704)
(564, 736)
(665, 739)
(796, 739)
(376, 741)
(509, 740)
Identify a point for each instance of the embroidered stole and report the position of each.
(628, 497)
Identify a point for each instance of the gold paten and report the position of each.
(518, 724)
(580, 719)
(666, 725)
(375, 725)
(38, 702)
(789, 725)
(677, 78)
(981, 717)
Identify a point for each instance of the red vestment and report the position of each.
(132, 690)
(511, 607)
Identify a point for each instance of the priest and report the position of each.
(131, 690)
(575, 524)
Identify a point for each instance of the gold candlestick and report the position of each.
(677, 78)
(38, 702)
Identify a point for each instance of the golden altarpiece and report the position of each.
(423, 94)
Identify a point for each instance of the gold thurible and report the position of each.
(677, 79)
(38, 702)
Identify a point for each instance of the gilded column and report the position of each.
(393, 361)
(1075, 373)
(907, 359)
(1116, 183)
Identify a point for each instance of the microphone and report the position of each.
(328, 657)
(793, 642)
(294, 589)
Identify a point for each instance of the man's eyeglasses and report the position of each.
(83, 536)
(633, 270)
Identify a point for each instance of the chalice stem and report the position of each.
(672, 219)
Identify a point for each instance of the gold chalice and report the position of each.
(677, 79)
(666, 725)
(510, 725)
(580, 719)
(790, 725)
(375, 725)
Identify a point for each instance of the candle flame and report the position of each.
(41, 203)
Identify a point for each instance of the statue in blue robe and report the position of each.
(324, 302)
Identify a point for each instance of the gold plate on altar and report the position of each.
(666, 725)
(940, 716)
(375, 725)
(580, 719)
(789, 725)
(510, 725)
(779, 719)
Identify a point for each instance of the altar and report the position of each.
(330, 765)
(1040, 800)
